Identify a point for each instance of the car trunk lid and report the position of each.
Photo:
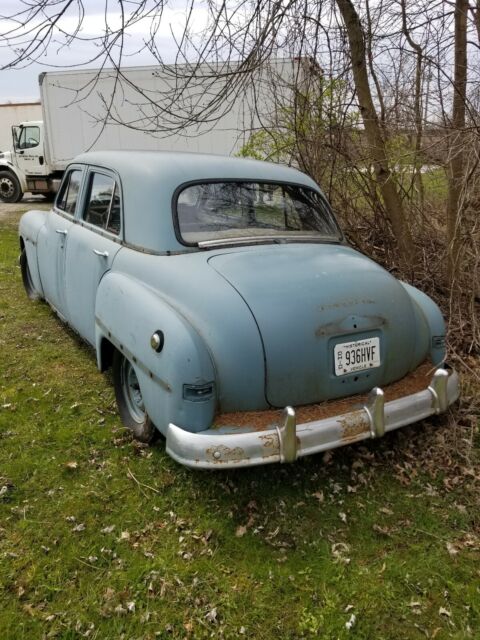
(311, 302)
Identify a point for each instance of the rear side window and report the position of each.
(68, 194)
(103, 203)
(113, 224)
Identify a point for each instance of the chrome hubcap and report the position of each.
(6, 187)
(132, 393)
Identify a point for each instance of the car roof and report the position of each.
(182, 167)
(150, 179)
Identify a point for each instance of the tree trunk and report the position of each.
(417, 160)
(385, 180)
(456, 150)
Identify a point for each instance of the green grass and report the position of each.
(436, 185)
(102, 538)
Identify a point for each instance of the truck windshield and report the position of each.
(219, 211)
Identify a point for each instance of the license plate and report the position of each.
(356, 356)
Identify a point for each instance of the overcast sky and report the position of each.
(22, 83)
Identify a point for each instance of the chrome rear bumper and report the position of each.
(228, 447)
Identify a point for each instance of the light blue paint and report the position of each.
(259, 323)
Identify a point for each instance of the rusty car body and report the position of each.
(237, 320)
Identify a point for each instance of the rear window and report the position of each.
(219, 211)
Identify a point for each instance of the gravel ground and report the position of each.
(28, 202)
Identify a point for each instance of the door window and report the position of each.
(103, 203)
(68, 195)
(29, 138)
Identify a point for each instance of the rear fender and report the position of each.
(127, 314)
(29, 229)
(433, 319)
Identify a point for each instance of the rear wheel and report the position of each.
(130, 400)
(10, 189)
(27, 277)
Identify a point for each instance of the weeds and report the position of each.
(103, 538)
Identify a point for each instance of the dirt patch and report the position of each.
(261, 420)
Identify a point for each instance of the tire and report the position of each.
(27, 277)
(10, 189)
(130, 402)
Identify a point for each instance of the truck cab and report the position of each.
(25, 167)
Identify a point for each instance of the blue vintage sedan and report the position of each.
(236, 318)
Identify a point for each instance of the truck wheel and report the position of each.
(27, 277)
(130, 401)
(10, 189)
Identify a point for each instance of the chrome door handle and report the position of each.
(102, 254)
(62, 232)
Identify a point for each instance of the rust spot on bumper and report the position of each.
(222, 454)
(353, 425)
(271, 445)
(270, 441)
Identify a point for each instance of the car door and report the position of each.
(29, 150)
(92, 245)
(52, 239)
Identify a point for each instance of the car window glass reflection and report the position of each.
(113, 224)
(103, 203)
(220, 210)
(99, 199)
(68, 194)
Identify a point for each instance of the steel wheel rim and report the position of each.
(6, 187)
(131, 392)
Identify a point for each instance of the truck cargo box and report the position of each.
(102, 110)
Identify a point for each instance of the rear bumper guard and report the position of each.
(230, 448)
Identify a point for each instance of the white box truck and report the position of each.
(92, 110)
